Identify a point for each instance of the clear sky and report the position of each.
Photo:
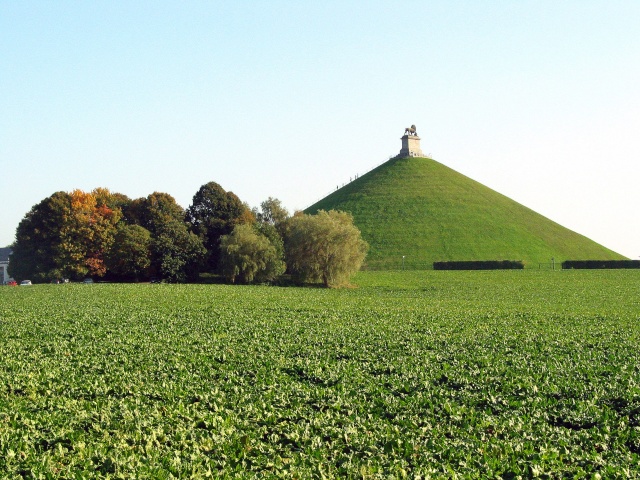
(539, 100)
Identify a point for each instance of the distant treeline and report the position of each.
(480, 265)
(109, 236)
(583, 264)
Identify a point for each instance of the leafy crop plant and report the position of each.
(509, 374)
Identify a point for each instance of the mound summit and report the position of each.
(418, 208)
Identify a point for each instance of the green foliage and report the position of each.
(65, 235)
(36, 248)
(325, 247)
(130, 255)
(480, 265)
(272, 213)
(568, 264)
(176, 252)
(213, 213)
(113, 200)
(249, 256)
(271, 232)
(494, 374)
(271, 221)
(156, 211)
(133, 213)
(427, 212)
(78, 234)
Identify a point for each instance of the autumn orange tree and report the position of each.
(87, 234)
(65, 235)
(100, 233)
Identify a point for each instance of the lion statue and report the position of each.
(410, 130)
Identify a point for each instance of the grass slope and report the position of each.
(428, 212)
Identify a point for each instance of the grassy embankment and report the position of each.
(427, 212)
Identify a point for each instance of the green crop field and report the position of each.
(510, 374)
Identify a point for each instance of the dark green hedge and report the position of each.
(480, 265)
(569, 264)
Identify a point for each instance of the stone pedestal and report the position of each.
(411, 146)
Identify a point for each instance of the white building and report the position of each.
(4, 265)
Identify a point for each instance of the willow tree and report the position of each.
(248, 256)
(326, 247)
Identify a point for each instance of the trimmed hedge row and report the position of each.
(569, 264)
(480, 265)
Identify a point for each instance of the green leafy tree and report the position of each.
(36, 248)
(176, 252)
(249, 256)
(272, 212)
(272, 235)
(77, 234)
(157, 210)
(130, 255)
(271, 222)
(113, 200)
(213, 213)
(133, 212)
(326, 247)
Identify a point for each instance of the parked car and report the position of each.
(12, 283)
(24, 283)
(87, 280)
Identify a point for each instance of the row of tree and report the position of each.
(104, 234)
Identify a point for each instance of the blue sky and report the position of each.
(539, 100)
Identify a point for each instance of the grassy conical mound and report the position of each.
(427, 212)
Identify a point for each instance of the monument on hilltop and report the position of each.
(414, 211)
(410, 143)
